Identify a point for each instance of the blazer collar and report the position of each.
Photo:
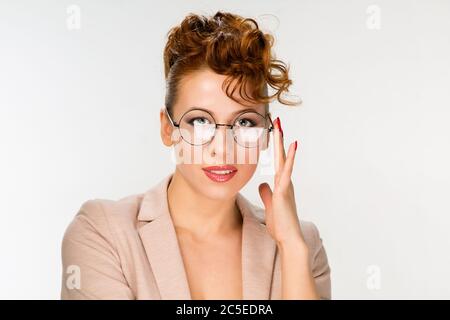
(163, 252)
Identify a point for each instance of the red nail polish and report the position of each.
(279, 126)
(295, 144)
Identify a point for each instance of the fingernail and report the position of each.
(295, 144)
(279, 126)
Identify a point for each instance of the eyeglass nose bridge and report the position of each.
(225, 125)
(231, 126)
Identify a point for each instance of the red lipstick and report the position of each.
(220, 173)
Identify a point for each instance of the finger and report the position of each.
(266, 196)
(280, 155)
(286, 175)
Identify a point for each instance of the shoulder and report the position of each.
(101, 216)
(90, 251)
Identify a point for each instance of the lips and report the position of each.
(220, 173)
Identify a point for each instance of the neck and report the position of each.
(199, 215)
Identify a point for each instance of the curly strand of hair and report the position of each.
(230, 45)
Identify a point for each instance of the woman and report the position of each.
(194, 235)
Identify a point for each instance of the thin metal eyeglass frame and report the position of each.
(177, 125)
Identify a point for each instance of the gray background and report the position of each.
(79, 120)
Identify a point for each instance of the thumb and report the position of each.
(266, 195)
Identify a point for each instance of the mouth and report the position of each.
(220, 173)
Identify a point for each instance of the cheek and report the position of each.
(245, 171)
(190, 172)
(188, 154)
(247, 156)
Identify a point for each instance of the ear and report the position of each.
(167, 129)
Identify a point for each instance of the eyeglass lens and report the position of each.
(198, 127)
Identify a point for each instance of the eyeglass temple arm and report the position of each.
(271, 125)
(170, 118)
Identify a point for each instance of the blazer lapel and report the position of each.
(160, 242)
(258, 252)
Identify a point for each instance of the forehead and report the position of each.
(203, 89)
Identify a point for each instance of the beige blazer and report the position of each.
(128, 249)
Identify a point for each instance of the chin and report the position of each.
(217, 190)
(218, 193)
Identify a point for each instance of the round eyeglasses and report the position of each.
(198, 127)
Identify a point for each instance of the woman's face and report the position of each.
(203, 89)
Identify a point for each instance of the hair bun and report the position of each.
(230, 45)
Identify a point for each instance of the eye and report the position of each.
(245, 123)
(201, 121)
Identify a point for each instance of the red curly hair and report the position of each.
(229, 45)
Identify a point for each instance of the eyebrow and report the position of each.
(233, 113)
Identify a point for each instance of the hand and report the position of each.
(280, 208)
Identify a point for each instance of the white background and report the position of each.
(79, 120)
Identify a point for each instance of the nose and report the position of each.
(222, 143)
